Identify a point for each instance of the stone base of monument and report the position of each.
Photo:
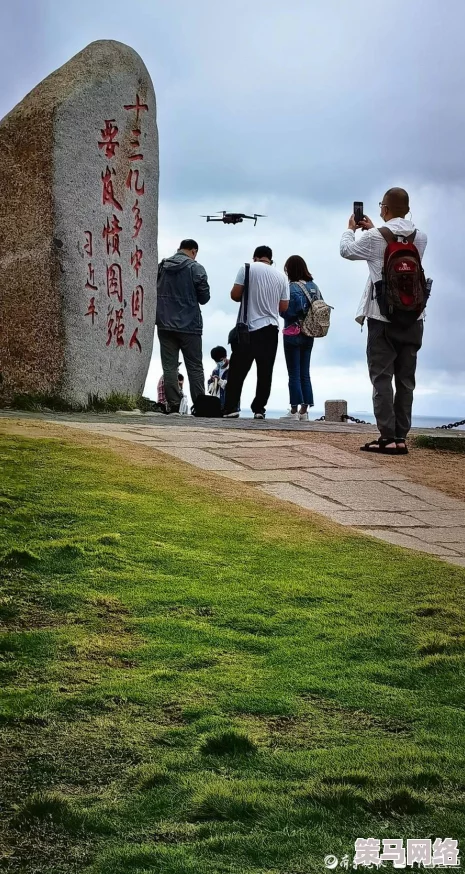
(78, 231)
(334, 410)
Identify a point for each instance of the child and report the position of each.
(219, 377)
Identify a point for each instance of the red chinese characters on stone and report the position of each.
(115, 281)
(115, 327)
(134, 341)
(138, 106)
(138, 221)
(137, 304)
(90, 284)
(92, 311)
(136, 260)
(88, 243)
(108, 141)
(108, 195)
(135, 143)
(139, 189)
(111, 234)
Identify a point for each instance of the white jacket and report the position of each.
(370, 247)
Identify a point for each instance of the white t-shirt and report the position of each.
(267, 286)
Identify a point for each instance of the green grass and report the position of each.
(445, 444)
(195, 682)
(110, 404)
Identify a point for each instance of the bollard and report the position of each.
(334, 410)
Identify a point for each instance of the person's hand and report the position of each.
(352, 226)
(366, 223)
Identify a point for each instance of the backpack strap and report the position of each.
(303, 286)
(245, 295)
(389, 237)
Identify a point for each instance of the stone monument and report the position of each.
(78, 230)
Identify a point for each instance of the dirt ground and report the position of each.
(444, 471)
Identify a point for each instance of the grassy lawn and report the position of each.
(195, 681)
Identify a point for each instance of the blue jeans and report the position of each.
(297, 351)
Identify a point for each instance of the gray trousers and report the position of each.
(171, 344)
(392, 354)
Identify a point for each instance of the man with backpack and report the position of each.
(263, 292)
(393, 304)
(182, 289)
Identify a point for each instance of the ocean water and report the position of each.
(417, 421)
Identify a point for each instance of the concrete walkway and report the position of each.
(351, 489)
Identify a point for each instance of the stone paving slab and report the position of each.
(296, 495)
(363, 495)
(441, 518)
(262, 461)
(335, 456)
(400, 539)
(261, 476)
(199, 458)
(457, 547)
(430, 496)
(439, 535)
(343, 474)
(371, 518)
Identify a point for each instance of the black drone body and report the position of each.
(232, 218)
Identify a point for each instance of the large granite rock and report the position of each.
(78, 230)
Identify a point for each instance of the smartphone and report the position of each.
(358, 211)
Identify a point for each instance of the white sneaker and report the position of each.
(230, 415)
(303, 417)
(291, 415)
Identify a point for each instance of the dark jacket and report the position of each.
(182, 286)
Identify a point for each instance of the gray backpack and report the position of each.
(316, 321)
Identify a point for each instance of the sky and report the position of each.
(293, 110)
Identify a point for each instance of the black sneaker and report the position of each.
(174, 409)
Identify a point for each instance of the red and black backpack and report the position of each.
(402, 293)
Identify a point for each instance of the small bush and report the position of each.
(444, 444)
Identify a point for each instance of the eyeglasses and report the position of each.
(382, 204)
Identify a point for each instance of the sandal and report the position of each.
(381, 447)
(401, 450)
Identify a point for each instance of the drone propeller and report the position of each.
(259, 215)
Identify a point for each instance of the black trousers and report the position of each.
(171, 344)
(392, 354)
(262, 349)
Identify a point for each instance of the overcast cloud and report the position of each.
(293, 110)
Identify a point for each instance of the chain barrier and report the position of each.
(344, 418)
(451, 425)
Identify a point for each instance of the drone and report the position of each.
(233, 218)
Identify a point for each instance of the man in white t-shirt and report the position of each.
(268, 297)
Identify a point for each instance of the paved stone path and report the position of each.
(348, 488)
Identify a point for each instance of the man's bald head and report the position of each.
(396, 202)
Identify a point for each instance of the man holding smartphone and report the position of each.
(391, 349)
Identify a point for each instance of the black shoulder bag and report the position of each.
(239, 335)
